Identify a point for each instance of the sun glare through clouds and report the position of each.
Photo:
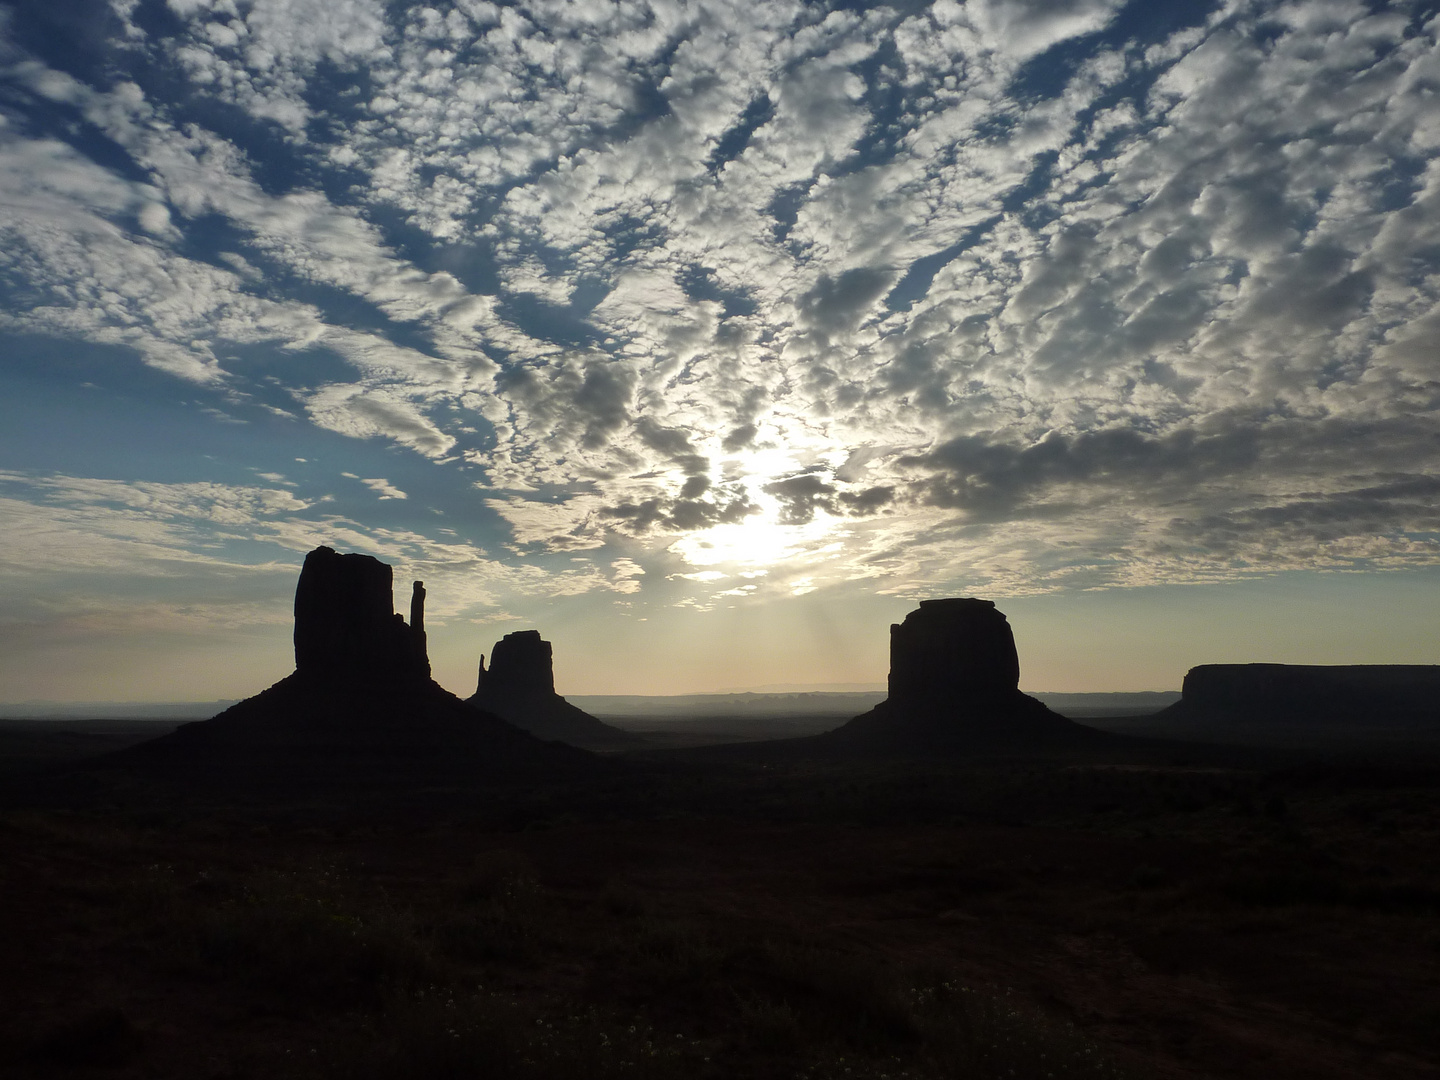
(760, 542)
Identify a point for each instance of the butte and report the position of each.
(954, 687)
(360, 701)
(520, 689)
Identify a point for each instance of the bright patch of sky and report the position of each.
(696, 305)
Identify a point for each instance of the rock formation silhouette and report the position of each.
(1356, 696)
(520, 662)
(954, 685)
(519, 687)
(950, 649)
(346, 626)
(361, 692)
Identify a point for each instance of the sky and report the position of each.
(708, 337)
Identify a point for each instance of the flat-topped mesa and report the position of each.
(949, 649)
(520, 663)
(346, 626)
(1266, 693)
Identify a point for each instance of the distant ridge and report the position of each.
(743, 704)
(114, 710)
(754, 703)
(799, 688)
(781, 700)
(1095, 704)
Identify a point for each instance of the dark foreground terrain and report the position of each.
(1148, 911)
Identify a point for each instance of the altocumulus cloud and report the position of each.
(1013, 295)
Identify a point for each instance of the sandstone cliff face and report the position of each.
(346, 627)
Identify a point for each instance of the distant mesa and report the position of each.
(519, 687)
(954, 685)
(1359, 697)
(361, 690)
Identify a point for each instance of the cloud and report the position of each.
(986, 478)
(841, 303)
(370, 412)
(221, 504)
(625, 574)
(384, 488)
(108, 552)
(800, 496)
(1023, 28)
(1024, 281)
(568, 525)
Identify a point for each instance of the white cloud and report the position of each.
(383, 488)
(62, 535)
(780, 286)
(568, 525)
(366, 413)
(1022, 28)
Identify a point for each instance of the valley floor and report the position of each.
(1169, 913)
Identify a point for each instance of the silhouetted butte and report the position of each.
(954, 684)
(361, 691)
(519, 687)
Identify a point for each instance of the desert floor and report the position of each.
(1162, 912)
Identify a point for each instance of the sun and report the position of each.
(759, 542)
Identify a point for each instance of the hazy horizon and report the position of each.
(707, 338)
(604, 704)
(834, 688)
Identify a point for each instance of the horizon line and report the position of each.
(769, 688)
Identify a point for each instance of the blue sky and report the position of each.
(708, 337)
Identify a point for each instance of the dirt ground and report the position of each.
(1143, 919)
